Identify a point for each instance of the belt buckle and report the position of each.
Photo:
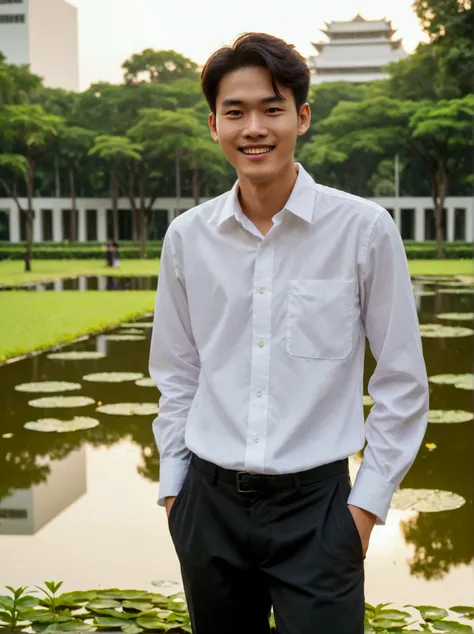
(239, 483)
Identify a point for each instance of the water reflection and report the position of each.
(91, 283)
(45, 474)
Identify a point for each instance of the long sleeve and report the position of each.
(397, 422)
(174, 366)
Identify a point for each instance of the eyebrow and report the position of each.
(239, 102)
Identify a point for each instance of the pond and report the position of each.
(91, 283)
(80, 507)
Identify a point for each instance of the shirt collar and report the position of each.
(300, 203)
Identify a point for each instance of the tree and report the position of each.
(16, 165)
(31, 129)
(73, 144)
(114, 151)
(162, 66)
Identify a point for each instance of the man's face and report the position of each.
(256, 129)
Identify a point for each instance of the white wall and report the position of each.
(14, 36)
(53, 42)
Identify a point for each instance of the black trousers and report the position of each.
(296, 549)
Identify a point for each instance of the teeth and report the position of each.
(257, 150)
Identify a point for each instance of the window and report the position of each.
(91, 225)
(11, 1)
(459, 224)
(12, 18)
(430, 226)
(70, 224)
(391, 212)
(47, 224)
(13, 514)
(407, 220)
(4, 225)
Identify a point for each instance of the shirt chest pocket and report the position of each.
(320, 318)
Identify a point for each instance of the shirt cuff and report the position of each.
(372, 493)
(172, 475)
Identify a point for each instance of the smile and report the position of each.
(256, 151)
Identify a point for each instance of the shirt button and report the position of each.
(261, 343)
(256, 438)
(259, 394)
(261, 290)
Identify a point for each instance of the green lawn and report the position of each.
(439, 267)
(12, 271)
(31, 321)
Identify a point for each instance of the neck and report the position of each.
(263, 200)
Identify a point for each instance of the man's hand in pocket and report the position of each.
(169, 504)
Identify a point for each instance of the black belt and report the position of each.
(246, 482)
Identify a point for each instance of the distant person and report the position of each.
(115, 251)
(266, 295)
(109, 254)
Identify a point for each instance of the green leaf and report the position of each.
(131, 628)
(451, 626)
(124, 595)
(102, 604)
(73, 625)
(40, 616)
(108, 622)
(465, 610)
(394, 615)
(6, 602)
(138, 606)
(177, 602)
(114, 614)
(5, 617)
(430, 613)
(77, 597)
(27, 602)
(150, 623)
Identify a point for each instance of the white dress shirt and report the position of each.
(258, 342)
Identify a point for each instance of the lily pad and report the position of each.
(145, 382)
(464, 610)
(437, 330)
(164, 583)
(112, 377)
(76, 355)
(138, 324)
(430, 612)
(461, 381)
(129, 409)
(74, 625)
(132, 628)
(102, 604)
(449, 416)
(451, 626)
(78, 423)
(48, 386)
(78, 596)
(177, 602)
(422, 293)
(367, 400)
(138, 606)
(131, 331)
(107, 623)
(125, 337)
(457, 291)
(456, 316)
(7, 436)
(426, 500)
(61, 401)
(124, 595)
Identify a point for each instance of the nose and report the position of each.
(255, 126)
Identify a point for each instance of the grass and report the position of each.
(439, 267)
(12, 271)
(32, 321)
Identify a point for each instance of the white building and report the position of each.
(43, 34)
(355, 51)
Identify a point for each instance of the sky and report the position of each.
(112, 30)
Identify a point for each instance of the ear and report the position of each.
(213, 127)
(304, 119)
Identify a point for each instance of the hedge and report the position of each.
(131, 250)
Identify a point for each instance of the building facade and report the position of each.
(43, 34)
(413, 216)
(356, 51)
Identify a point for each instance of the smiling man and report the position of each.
(265, 298)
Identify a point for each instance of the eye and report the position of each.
(233, 113)
(274, 110)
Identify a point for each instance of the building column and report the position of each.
(397, 216)
(57, 230)
(450, 224)
(14, 222)
(171, 213)
(419, 224)
(81, 221)
(37, 226)
(101, 225)
(469, 226)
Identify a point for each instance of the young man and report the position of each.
(265, 297)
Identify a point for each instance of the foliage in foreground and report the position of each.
(136, 611)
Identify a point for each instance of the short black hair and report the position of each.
(286, 66)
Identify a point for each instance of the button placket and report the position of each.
(260, 358)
